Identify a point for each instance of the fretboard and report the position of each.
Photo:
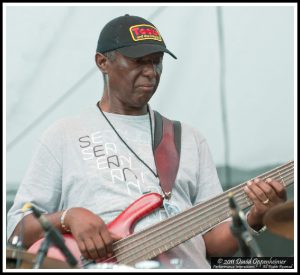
(175, 230)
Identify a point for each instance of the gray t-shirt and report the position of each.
(81, 162)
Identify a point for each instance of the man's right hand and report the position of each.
(92, 236)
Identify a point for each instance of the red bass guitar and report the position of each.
(156, 239)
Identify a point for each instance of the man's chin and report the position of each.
(143, 100)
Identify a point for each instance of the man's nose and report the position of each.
(150, 69)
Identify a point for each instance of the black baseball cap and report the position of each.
(132, 36)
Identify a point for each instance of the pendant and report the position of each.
(167, 195)
(171, 208)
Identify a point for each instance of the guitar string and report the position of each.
(135, 240)
(167, 243)
(143, 248)
(191, 209)
(175, 239)
(178, 229)
(190, 230)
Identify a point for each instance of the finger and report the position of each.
(115, 237)
(278, 187)
(91, 249)
(108, 242)
(252, 195)
(256, 190)
(268, 190)
(83, 249)
(100, 246)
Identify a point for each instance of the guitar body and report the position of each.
(122, 225)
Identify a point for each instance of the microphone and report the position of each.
(240, 230)
(54, 235)
(238, 217)
(238, 227)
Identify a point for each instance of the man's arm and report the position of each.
(31, 230)
(220, 242)
(90, 232)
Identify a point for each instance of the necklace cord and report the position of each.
(131, 150)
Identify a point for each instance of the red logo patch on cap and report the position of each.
(144, 32)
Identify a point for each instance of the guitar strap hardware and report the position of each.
(166, 149)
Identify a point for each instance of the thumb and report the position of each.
(115, 237)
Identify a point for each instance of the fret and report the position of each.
(247, 200)
(191, 222)
(282, 180)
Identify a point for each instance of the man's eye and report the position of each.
(137, 61)
(158, 61)
(134, 60)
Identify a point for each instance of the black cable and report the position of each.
(42, 252)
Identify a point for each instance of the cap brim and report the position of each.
(142, 50)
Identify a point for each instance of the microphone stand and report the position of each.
(239, 233)
(43, 250)
(240, 229)
(54, 236)
(250, 241)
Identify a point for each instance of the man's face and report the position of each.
(132, 82)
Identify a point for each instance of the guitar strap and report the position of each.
(167, 146)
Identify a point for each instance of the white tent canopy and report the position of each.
(50, 68)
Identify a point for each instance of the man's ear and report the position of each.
(101, 62)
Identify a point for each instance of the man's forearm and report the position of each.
(31, 230)
(220, 242)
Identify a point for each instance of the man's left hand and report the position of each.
(264, 195)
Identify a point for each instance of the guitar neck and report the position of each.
(175, 230)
